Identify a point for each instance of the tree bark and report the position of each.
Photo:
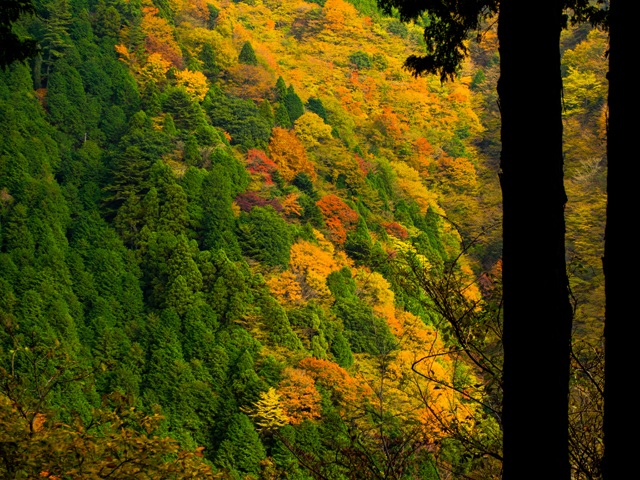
(538, 314)
(622, 321)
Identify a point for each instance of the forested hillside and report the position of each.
(233, 236)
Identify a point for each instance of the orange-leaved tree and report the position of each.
(290, 204)
(395, 229)
(289, 154)
(159, 37)
(346, 390)
(285, 288)
(315, 263)
(422, 156)
(459, 172)
(300, 399)
(338, 217)
(250, 81)
(390, 128)
(342, 17)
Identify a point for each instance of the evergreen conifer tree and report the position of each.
(151, 210)
(57, 34)
(107, 21)
(358, 244)
(281, 89)
(179, 296)
(247, 54)
(168, 126)
(128, 220)
(219, 221)
(245, 383)
(227, 291)
(174, 213)
(315, 105)
(191, 154)
(208, 58)
(282, 116)
(266, 110)
(294, 105)
(280, 329)
(341, 350)
(183, 110)
(151, 99)
(242, 450)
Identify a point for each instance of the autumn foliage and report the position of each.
(345, 389)
(315, 263)
(247, 200)
(250, 81)
(291, 206)
(159, 37)
(338, 217)
(300, 399)
(289, 154)
(459, 172)
(195, 83)
(285, 288)
(364, 165)
(422, 156)
(397, 230)
(258, 162)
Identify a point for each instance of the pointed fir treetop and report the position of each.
(247, 54)
(294, 105)
(266, 110)
(282, 116)
(316, 106)
(281, 88)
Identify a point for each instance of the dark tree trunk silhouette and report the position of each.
(537, 315)
(622, 321)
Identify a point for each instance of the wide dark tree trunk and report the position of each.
(537, 313)
(622, 321)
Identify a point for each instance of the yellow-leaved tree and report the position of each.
(311, 129)
(316, 262)
(155, 69)
(195, 83)
(411, 185)
(267, 413)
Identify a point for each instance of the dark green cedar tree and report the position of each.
(265, 236)
(191, 155)
(266, 110)
(247, 54)
(242, 451)
(282, 118)
(315, 105)
(294, 105)
(281, 89)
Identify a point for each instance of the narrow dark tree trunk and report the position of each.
(537, 315)
(622, 320)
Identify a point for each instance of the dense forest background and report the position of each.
(233, 235)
